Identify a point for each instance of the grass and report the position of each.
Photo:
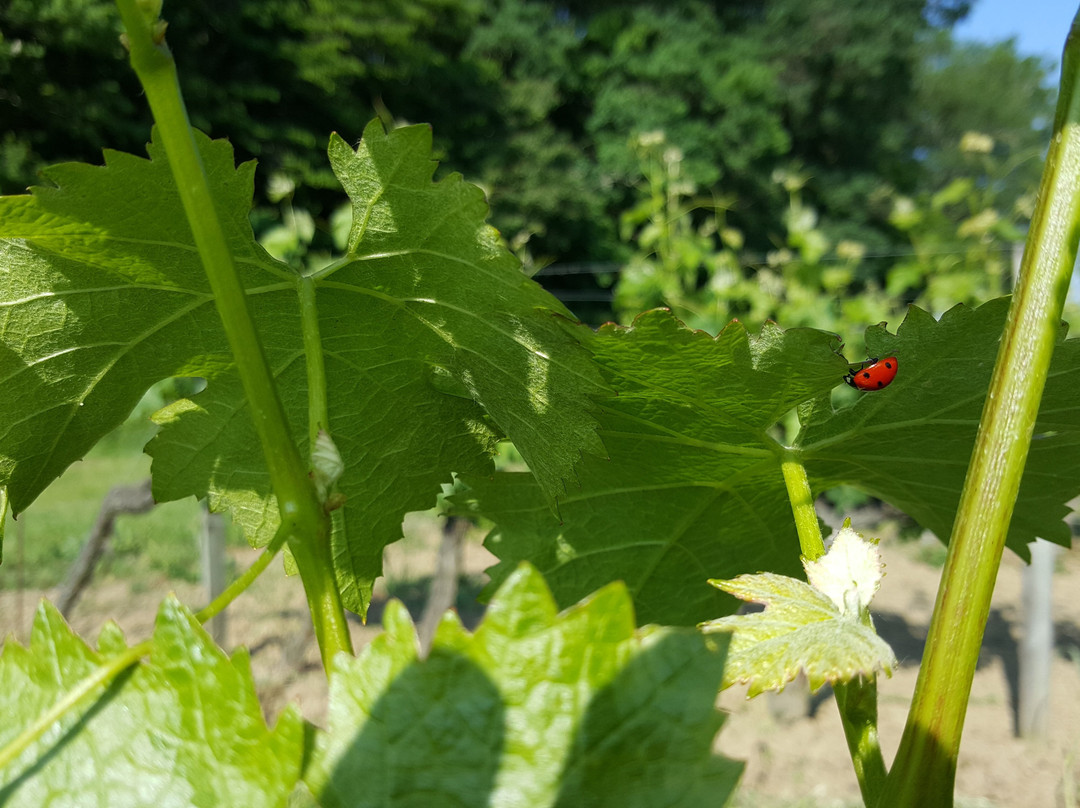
(40, 549)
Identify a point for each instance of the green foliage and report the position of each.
(531, 155)
(669, 455)
(932, 412)
(845, 73)
(571, 709)
(419, 256)
(950, 87)
(182, 728)
(689, 258)
(962, 236)
(51, 106)
(686, 256)
(693, 483)
(535, 99)
(277, 76)
(678, 69)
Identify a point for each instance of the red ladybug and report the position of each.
(875, 374)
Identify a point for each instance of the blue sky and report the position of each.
(1040, 26)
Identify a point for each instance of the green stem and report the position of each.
(3, 520)
(302, 514)
(233, 590)
(106, 673)
(923, 773)
(323, 595)
(324, 600)
(856, 700)
(157, 72)
(802, 507)
(318, 407)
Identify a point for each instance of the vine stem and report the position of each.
(857, 699)
(302, 514)
(857, 703)
(924, 771)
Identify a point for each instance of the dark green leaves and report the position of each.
(535, 708)
(422, 257)
(910, 444)
(101, 295)
(692, 488)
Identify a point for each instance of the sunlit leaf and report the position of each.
(535, 708)
(182, 728)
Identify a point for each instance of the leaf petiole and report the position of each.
(802, 507)
(318, 408)
(233, 590)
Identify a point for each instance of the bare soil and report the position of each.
(793, 745)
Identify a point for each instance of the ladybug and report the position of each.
(874, 375)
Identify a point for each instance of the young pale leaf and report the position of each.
(326, 464)
(693, 470)
(535, 708)
(104, 295)
(183, 728)
(849, 574)
(825, 632)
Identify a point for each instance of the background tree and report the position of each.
(952, 100)
(51, 107)
(540, 101)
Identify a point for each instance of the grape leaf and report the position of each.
(101, 296)
(693, 487)
(535, 708)
(433, 341)
(182, 728)
(816, 627)
(910, 444)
